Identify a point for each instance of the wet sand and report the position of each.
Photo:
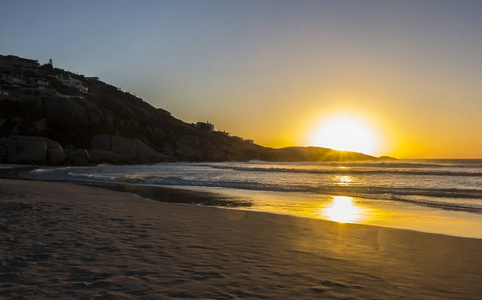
(61, 240)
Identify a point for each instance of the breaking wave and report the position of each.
(399, 170)
(379, 181)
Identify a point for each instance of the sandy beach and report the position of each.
(61, 240)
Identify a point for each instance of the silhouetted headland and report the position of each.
(55, 117)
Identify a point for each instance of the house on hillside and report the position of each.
(15, 61)
(14, 80)
(18, 81)
(205, 126)
(224, 132)
(68, 80)
(40, 84)
(17, 86)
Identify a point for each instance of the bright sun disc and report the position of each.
(346, 134)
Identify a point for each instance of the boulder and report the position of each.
(69, 148)
(145, 153)
(121, 147)
(28, 128)
(32, 150)
(78, 157)
(108, 118)
(186, 152)
(100, 141)
(129, 150)
(41, 124)
(94, 117)
(66, 112)
(97, 156)
(51, 144)
(26, 152)
(55, 157)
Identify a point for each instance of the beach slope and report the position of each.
(61, 240)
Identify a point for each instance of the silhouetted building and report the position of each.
(206, 126)
(68, 80)
(224, 132)
(41, 84)
(15, 61)
(14, 80)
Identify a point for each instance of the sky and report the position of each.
(409, 72)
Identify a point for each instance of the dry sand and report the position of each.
(61, 240)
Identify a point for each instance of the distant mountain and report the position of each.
(52, 116)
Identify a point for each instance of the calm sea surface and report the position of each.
(439, 196)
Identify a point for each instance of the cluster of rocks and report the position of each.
(114, 149)
(18, 149)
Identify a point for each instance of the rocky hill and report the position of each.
(51, 116)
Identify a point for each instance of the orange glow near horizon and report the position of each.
(345, 133)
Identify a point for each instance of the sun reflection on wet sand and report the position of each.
(343, 210)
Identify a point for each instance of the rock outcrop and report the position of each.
(128, 150)
(30, 150)
(107, 125)
(55, 157)
(79, 157)
(50, 143)
(66, 111)
(97, 156)
(26, 152)
(145, 153)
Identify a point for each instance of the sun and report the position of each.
(345, 133)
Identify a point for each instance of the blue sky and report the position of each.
(413, 68)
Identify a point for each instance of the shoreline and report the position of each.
(387, 215)
(204, 197)
(68, 240)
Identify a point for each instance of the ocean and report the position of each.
(437, 196)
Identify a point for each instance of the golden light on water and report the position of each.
(343, 179)
(345, 133)
(343, 210)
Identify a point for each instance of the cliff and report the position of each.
(51, 116)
